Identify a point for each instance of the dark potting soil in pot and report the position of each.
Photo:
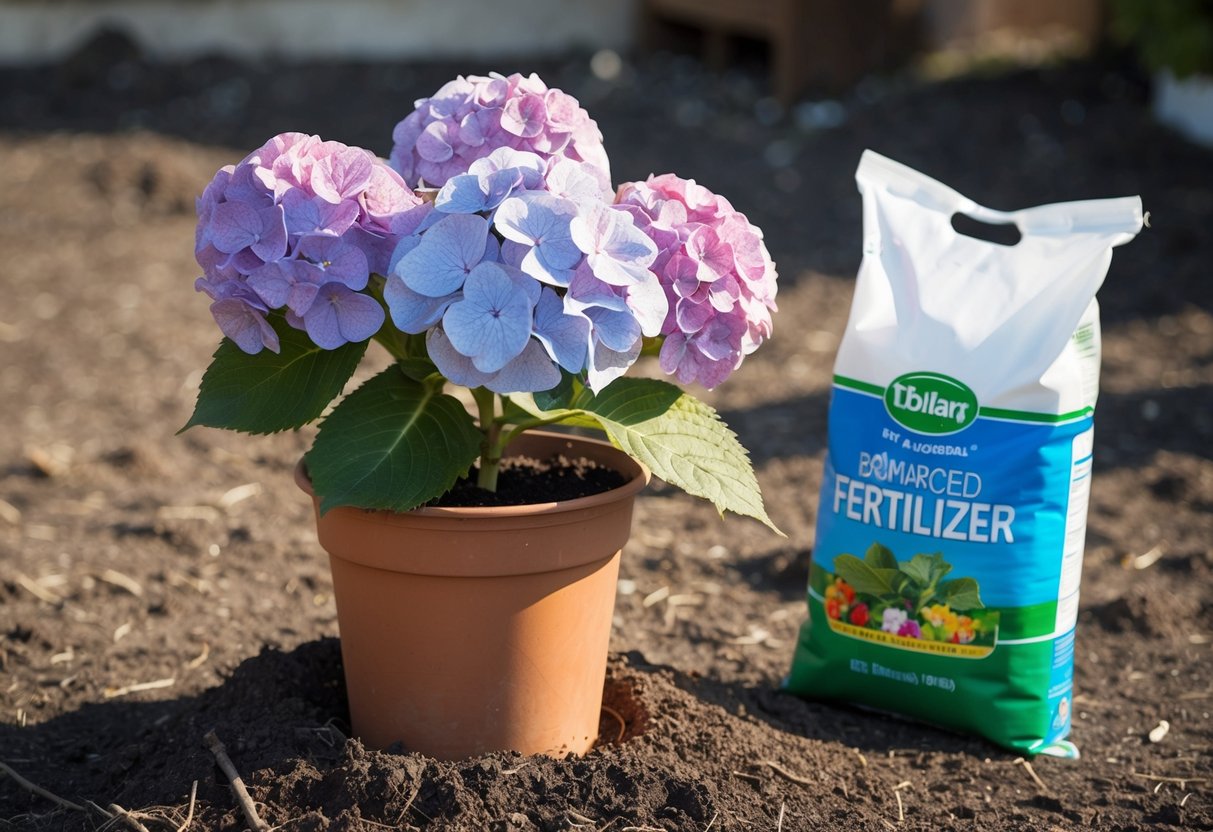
(525, 480)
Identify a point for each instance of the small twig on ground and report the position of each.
(242, 796)
(189, 818)
(863, 761)
(717, 814)
(115, 578)
(196, 662)
(656, 597)
(751, 777)
(623, 726)
(238, 494)
(901, 809)
(112, 693)
(1032, 773)
(105, 813)
(779, 825)
(128, 818)
(38, 590)
(804, 781)
(1179, 780)
(38, 790)
(580, 819)
(408, 804)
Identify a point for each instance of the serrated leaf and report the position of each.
(962, 594)
(525, 404)
(880, 557)
(270, 392)
(681, 440)
(866, 579)
(394, 443)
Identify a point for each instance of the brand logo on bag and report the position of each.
(930, 403)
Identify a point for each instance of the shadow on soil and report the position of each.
(278, 708)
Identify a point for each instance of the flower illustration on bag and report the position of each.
(893, 620)
(911, 599)
(859, 615)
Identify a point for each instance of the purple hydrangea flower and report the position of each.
(717, 275)
(240, 314)
(298, 222)
(470, 117)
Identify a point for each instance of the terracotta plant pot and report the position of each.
(470, 630)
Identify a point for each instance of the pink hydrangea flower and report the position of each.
(300, 219)
(472, 116)
(718, 277)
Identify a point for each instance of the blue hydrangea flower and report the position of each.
(539, 223)
(491, 324)
(564, 335)
(448, 251)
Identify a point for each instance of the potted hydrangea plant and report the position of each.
(491, 255)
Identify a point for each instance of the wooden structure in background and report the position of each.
(830, 44)
(823, 43)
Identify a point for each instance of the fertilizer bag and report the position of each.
(952, 514)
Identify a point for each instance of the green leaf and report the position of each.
(961, 594)
(926, 570)
(417, 368)
(561, 396)
(394, 443)
(270, 392)
(556, 405)
(681, 440)
(880, 557)
(525, 404)
(867, 579)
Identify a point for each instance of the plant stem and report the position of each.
(490, 447)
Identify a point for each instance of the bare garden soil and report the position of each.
(156, 587)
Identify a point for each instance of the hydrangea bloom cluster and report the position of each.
(524, 263)
(299, 225)
(718, 276)
(472, 116)
(523, 269)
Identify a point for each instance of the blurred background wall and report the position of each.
(811, 41)
(38, 31)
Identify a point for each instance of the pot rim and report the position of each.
(637, 473)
